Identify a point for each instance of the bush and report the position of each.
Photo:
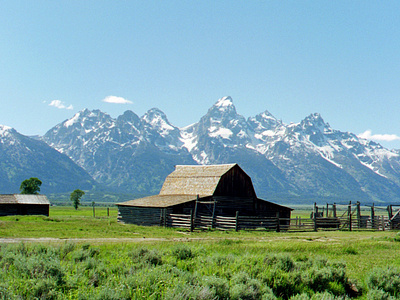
(182, 252)
(375, 294)
(245, 287)
(219, 285)
(385, 279)
(144, 255)
(318, 296)
(282, 262)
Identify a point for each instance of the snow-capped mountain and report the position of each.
(128, 154)
(22, 157)
(307, 161)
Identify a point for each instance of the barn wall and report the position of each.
(269, 209)
(24, 209)
(146, 216)
(228, 206)
(183, 208)
(235, 183)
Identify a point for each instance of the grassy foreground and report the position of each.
(163, 263)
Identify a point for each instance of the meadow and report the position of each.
(72, 255)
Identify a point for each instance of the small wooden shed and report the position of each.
(19, 204)
(213, 190)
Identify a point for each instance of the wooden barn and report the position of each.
(213, 190)
(18, 204)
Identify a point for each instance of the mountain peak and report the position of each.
(154, 115)
(223, 107)
(224, 102)
(314, 120)
(158, 120)
(5, 129)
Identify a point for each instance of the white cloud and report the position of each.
(59, 104)
(116, 100)
(379, 137)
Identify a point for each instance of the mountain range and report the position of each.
(298, 162)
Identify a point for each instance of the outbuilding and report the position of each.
(206, 190)
(22, 204)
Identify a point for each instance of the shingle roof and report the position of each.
(23, 199)
(194, 180)
(183, 185)
(160, 201)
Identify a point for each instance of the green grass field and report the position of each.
(109, 260)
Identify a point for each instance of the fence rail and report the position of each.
(238, 222)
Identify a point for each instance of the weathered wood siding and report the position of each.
(235, 183)
(146, 216)
(268, 209)
(228, 206)
(24, 209)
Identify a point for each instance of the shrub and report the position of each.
(385, 279)
(66, 248)
(318, 296)
(184, 292)
(245, 287)
(144, 255)
(282, 261)
(84, 253)
(375, 294)
(219, 285)
(182, 252)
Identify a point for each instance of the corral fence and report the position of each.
(331, 217)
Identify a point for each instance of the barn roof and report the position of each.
(160, 201)
(194, 180)
(23, 199)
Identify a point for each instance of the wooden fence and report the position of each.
(351, 218)
(276, 224)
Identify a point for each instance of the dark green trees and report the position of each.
(76, 197)
(30, 186)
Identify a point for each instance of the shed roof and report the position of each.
(23, 199)
(160, 201)
(195, 179)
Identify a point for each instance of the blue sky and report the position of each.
(292, 58)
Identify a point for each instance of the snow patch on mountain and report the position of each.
(4, 130)
(225, 133)
(72, 121)
(224, 102)
(188, 138)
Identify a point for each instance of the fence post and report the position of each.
(213, 216)
(383, 224)
(390, 212)
(358, 214)
(237, 221)
(334, 210)
(94, 212)
(372, 216)
(327, 210)
(315, 224)
(349, 215)
(108, 211)
(315, 216)
(191, 221)
(278, 225)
